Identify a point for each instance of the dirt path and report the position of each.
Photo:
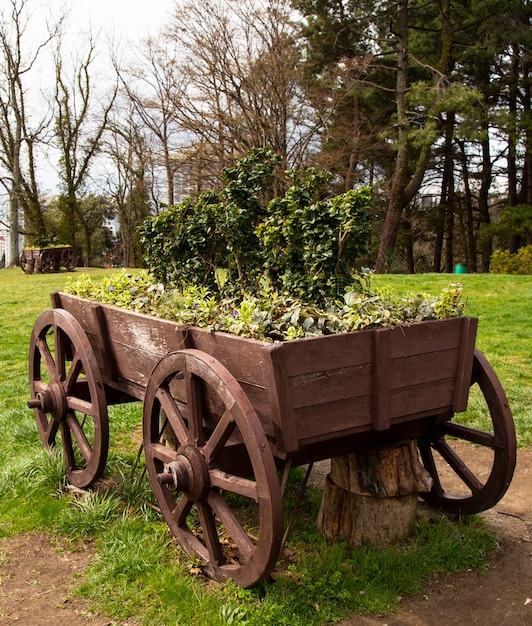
(37, 575)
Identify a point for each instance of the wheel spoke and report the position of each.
(60, 351)
(234, 484)
(194, 405)
(161, 453)
(458, 465)
(219, 437)
(430, 465)
(79, 436)
(480, 437)
(51, 432)
(73, 373)
(46, 355)
(82, 406)
(181, 510)
(210, 534)
(232, 525)
(173, 414)
(68, 450)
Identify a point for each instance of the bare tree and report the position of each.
(19, 131)
(78, 133)
(130, 180)
(242, 70)
(152, 83)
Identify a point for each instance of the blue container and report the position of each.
(460, 269)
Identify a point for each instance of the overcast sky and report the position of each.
(131, 18)
(112, 22)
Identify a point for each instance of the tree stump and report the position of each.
(371, 496)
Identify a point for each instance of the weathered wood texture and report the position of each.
(305, 392)
(371, 496)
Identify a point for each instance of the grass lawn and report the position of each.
(138, 571)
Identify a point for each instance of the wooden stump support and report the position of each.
(371, 496)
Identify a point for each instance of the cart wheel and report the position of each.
(478, 484)
(218, 491)
(47, 262)
(23, 263)
(69, 259)
(67, 395)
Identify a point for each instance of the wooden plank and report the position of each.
(426, 337)
(423, 368)
(333, 418)
(464, 368)
(434, 398)
(381, 379)
(330, 385)
(306, 356)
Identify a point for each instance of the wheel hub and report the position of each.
(188, 473)
(52, 400)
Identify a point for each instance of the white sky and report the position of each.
(132, 19)
(115, 24)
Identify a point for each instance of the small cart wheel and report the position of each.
(47, 262)
(475, 484)
(69, 259)
(218, 489)
(67, 395)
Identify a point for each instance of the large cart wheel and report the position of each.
(69, 259)
(218, 489)
(68, 396)
(476, 483)
(48, 262)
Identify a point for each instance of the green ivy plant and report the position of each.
(190, 242)
(308, 244)
(311, 245)
(267, 314)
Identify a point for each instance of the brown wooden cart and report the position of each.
(222, 414)
(36, 260)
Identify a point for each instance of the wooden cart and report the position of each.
(222, 414)
(36, 260)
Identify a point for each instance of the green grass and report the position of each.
(139, 572)
(503, 305)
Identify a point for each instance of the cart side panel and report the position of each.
(128, 345)
(371, 380)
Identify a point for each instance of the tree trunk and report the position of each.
(371, 496)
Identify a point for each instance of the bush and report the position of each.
(187, 243)
(502, 262)
(308, 244)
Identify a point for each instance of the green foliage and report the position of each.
(189, 241)
(309, 245)
(514, 220)
(268, 314)
(503, 262)
(121, 288)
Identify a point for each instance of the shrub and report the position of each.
(502, 262)
(188, 242)
(307, 243)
